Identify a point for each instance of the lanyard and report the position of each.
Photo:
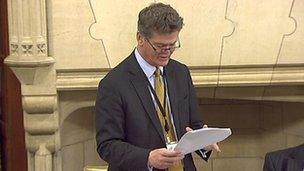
(161, 108)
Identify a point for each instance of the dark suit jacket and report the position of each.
(291, 159)
(127, 126)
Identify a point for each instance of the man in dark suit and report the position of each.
(291, 159)
(132, 131)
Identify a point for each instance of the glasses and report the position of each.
(158, 48)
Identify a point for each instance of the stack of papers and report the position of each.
(198, 139)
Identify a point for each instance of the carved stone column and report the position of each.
(35, 70)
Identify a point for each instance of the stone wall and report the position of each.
(216, 32)
(257, 127)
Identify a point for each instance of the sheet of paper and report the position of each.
(198, 139)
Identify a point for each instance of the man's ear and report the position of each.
(140, 39)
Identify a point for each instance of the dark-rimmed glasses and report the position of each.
(158, 48)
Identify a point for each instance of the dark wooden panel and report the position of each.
(13, 153)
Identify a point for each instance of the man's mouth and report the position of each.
(163, 57)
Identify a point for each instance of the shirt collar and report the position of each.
(145, 66)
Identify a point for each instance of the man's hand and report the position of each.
(213, 147)
(163, 158)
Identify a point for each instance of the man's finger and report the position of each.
(169, 153)
(217, 148)
(172, 160)
(188, 129)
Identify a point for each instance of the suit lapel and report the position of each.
(171, 83)
(139, 81)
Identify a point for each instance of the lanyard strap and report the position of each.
(161, 108)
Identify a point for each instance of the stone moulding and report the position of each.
(39, 104)
(26, 68)
(80, 79)
(213, 76)
(14, 61)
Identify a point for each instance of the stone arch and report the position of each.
(71, 101)
(77, 130)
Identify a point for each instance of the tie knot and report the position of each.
(157, 72)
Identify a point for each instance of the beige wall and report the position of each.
(93, 33)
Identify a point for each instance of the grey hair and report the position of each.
(158, 17)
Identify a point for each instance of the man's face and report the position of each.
(158, 49)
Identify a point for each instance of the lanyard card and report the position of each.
(171, 145)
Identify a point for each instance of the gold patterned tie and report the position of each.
(169, 135)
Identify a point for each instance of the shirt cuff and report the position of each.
(150, 168)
